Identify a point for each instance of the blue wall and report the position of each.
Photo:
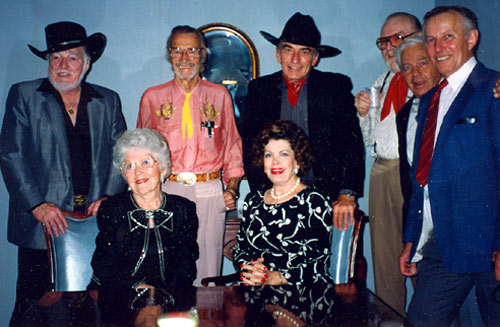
(135, 58)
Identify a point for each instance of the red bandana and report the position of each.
(294, 90)
(396, 95)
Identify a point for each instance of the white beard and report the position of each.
(190, 77)
(68, 87)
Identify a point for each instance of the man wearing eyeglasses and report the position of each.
(197, 119)
(378, 125)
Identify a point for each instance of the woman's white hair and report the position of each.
(144, 139)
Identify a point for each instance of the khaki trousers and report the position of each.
(386, 232)
(211, 212)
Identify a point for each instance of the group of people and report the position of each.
(64, 146)
(433, 198)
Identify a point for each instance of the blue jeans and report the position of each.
(440, 293)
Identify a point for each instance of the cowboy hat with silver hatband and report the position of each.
(301, 29)
(62, 36)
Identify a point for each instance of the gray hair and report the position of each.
(144, 139)
(469, 19)
(86, 54)
(408, 43)
(185, 29)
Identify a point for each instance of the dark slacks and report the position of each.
(440, 293)
(33, 280)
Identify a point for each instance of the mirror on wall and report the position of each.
(232, 62)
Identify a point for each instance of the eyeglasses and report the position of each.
(190, 52)
(144, 164)
(394, 39)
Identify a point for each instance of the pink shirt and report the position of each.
(161, 110)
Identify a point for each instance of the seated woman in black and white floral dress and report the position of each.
(285, 234)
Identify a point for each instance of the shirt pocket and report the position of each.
(173, 134)
(213, 143)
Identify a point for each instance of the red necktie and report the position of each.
(427, 145)
(396, 96)
(294, 90)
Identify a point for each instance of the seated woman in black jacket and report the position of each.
(146, 238)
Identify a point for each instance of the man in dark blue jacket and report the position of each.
(453, 223)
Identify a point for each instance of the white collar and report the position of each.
(458, 78)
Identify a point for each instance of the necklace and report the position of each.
(284, 195)
(71, 109)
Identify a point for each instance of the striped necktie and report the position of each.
(427, 145)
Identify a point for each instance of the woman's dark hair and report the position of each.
(283, 130)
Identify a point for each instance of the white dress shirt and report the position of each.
(412, 130)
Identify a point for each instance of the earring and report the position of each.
(296, 170)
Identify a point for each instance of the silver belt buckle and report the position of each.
(186, 178)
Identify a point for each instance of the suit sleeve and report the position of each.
(116, 183)
(14, 152)
(493, 124)
(252, 123)
(347, 133)
(103, 264)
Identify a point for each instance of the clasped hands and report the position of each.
(256, 273)
(53, 219)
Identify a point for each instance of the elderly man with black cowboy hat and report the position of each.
(56, 151)
(320, 103)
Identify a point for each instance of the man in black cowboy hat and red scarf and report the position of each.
(320, 103)
(56, 148)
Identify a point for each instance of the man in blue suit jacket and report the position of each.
(453, 224)
(56, 148)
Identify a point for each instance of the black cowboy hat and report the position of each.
(62, 36)
(301, 29)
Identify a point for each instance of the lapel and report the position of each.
(98, 138)
(274, 100)
(460, 103)
(314, 101)
(402, 118)
(313, 85)
(404, 114)
(52, 110)
(96, 120)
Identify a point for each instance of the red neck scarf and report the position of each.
(294, 90)
(396, 95)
